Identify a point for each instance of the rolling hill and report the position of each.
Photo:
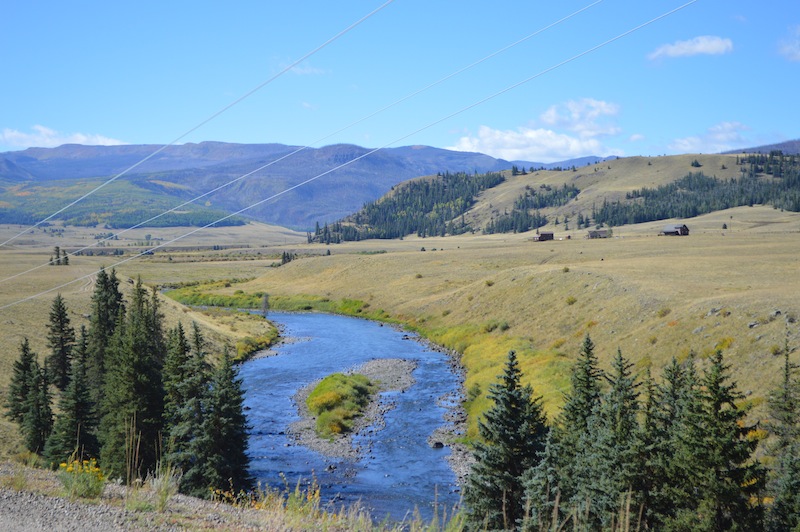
(344, 177)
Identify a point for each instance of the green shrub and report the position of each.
(337, 400)
(82, 479)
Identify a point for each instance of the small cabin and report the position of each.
(675, 230)
(599, 233)
(544, 235)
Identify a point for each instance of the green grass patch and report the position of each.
(337, 400)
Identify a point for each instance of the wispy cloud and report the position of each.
(790, 46)
(703, 45)
(575, 130)
(44, 137)
(721, 137)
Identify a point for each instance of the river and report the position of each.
(402, 472)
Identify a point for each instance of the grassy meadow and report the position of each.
(651, 296)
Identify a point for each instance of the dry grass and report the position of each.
(719, 286)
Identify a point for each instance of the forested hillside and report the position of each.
(772, 179)
(427, 207)
(437, 206)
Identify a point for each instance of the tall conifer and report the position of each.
(76, 422)
(513, 433)
(133, 392)
(60, 340)
(222, 445)
(19, 388)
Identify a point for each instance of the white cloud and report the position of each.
(576, 128)
(584, 117)
(44, 137)
(636, 137)
(703, 45)
(721, 137)
(790, 47)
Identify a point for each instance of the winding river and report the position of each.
(402, 472)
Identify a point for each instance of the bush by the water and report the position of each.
(337, 400)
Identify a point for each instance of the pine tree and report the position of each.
(608, 462)
(186, 388)
(133, 398)
(784, 408)
(107, 306)
(20, 386)
(76, 422)
(513, 433)
(572, 424)
(37, 422)
(60, 340)
(222, 445)
(723, 474)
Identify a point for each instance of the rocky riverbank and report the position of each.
(389, 375)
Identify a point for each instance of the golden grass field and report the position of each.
(651, 296)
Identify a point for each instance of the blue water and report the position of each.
(403, 472)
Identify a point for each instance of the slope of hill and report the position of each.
(611, 193)
(267, 176)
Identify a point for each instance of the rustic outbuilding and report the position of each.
(675, 230)
(544, 235)
(599, 233)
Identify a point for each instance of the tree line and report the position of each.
(627, 453)
(132, 394)
(521, 219)
(427, 207)
(772, 179)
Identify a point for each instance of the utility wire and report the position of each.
(207, 120)
(370, 152)
(290, 154)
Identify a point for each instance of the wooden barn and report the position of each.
(675, 230)
(544, 235)
(599, 233)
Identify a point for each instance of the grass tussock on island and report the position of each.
(337, 400)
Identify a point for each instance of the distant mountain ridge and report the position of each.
(190, 170)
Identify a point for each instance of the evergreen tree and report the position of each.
(19, 388)
(723, 474)
(573, 423)
(784, 403)
(107, 306)
(37, 422)
(60, 340)
(76, 422)
(222, 445)
(133, 398)
(186, 388)
(608, 463)
(513, 433)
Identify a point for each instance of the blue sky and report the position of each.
(714, 76)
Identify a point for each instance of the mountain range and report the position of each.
(291, 186)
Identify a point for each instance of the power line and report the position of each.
(370, 152)
(204, 122)
(286, 156)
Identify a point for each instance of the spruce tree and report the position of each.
(512, 434)
(719, 462)
(60, 340)
(19, 388)
(37, 421)
(608, 462)
(74, 431)
(572, 424)
(223, 441)
(133, 398)
(784, 408)
(107, 306)
(186, 387)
